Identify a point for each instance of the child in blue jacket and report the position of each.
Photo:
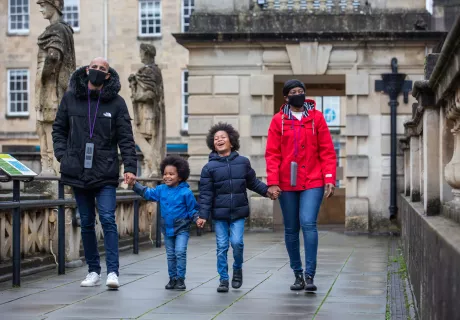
(178, 209)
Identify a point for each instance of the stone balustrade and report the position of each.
(311, 6)
(39, 226)
(430, 202)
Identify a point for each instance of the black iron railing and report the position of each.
(17, 205)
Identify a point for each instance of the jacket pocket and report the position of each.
(106, 165)
(71, 164)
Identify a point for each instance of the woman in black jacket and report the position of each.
(223, 195)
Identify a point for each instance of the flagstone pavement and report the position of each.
(351, 279)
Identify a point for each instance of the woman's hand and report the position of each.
(274, 192)
(329, 190)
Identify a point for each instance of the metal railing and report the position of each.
(311, 6)
(17, 206)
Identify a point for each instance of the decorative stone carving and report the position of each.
(149, 111)
(55, 64)
(452, 170)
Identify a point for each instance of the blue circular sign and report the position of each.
(329, 115)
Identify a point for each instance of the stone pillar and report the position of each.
(452, 170)
(431, 202)
(429, 147)
(405, 148)
(414, 147)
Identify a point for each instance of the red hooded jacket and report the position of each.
(307, 142)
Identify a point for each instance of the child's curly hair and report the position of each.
(182, 166)
(233, 135)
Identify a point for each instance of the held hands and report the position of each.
(273, 192)
(200, 223)
(130, 179)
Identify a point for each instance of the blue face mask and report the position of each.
(297, 100)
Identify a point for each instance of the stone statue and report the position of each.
(56, 62)
(149, 111)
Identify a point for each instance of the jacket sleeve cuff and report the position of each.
(273, 183)
(139, 189)
(130, 169)
(329, 178)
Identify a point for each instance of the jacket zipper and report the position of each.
(231, 188)
(71, 133)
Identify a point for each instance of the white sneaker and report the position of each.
(92, 280)
(112, 281)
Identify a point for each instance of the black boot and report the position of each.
(299, 283)
(309, 286)
(180, 284)
(171, 284)
(223, 286)
(237, 280)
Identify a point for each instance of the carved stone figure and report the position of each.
(149, 111)
(56, 62)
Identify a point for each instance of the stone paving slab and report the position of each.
(351, 280)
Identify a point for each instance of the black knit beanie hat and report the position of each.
(291, 84)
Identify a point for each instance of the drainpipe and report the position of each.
(106, 42)
(393, 84)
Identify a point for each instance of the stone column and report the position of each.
(414, 147)
(452, 171)
(429, 152)
(431, 202)
(405, 148)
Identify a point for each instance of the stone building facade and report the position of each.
(111, 29)
(241, 51)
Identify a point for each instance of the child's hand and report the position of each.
(200, 223)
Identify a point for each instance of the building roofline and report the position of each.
(316, 36)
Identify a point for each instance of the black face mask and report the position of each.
(96, 77)
(297, 101)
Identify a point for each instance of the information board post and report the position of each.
(16, 171)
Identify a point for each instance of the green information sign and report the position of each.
(14, 168)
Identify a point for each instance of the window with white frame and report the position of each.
(149, 18)
(18, 92)
(71, 13)
(185, 100)
(18, 16)
(187, 9)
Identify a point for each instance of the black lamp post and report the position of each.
(393, 84)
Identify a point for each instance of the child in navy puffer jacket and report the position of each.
(178, 209)
(223, 183)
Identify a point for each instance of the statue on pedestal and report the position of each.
(149, 111)
(56, 63)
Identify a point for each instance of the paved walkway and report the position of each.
(351, 280)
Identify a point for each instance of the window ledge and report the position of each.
(149, 38)
(18, 34)
(14, 116)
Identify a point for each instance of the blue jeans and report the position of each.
(176, 253)
(106, 205)
(225, 231)
(300, 209)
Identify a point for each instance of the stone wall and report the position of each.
(430, 205)
(432, 253)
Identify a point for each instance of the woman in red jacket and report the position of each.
(301, 162)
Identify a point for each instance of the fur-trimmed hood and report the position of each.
(78, 85)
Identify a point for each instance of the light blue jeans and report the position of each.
(229, 231)
(176, 253)
(300, 210)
